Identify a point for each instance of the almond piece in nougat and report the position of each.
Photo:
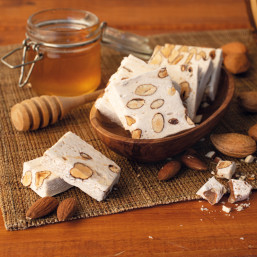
(212, 191)
(225, 169)
(239, 190)
(42, 180)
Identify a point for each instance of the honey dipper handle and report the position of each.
(68, 103)
(38, 112)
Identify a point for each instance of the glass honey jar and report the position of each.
(69, 41)
(62, 51)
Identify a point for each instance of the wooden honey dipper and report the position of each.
(38, 112)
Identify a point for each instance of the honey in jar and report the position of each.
(69, 43)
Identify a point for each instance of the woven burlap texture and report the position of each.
(138, 186)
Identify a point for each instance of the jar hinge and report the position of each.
(26, 44)
(126, 42)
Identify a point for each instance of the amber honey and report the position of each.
(69, 42)
(68, 73)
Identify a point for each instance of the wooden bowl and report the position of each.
(152, 150)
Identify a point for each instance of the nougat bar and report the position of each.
(149, 106)
(80, 165)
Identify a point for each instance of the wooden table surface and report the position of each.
(180, 229)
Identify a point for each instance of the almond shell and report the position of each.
(234, 144)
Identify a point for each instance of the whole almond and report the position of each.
(236, 63)
(252, 132)
(169, 170)
(190, 160)
(66, 209)
(234, 144)
(248, 101)
(234, 48)
(42, 207)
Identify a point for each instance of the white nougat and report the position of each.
(226, 169)
(104, 106)
(203, 81)
(188, 55)
(212, 86)
(42, 180)
(80, 165)
(186, 76)
(130, 66)
(149, 106)
(239, 190)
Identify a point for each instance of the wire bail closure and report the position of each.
(26, 44)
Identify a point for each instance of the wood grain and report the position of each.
(180, 229)
(143, 17)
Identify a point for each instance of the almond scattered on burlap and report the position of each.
(252, 132)
(66, 209)
(169, 170)
(236, 63)
(235, 57)
(42, 207)
(248, 100)
(192, 161)
(234, 48)
(234, 144)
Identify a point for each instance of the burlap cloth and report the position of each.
(138, 186)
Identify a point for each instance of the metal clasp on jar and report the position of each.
(26, 44)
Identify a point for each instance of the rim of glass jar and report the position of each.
(39, 35)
